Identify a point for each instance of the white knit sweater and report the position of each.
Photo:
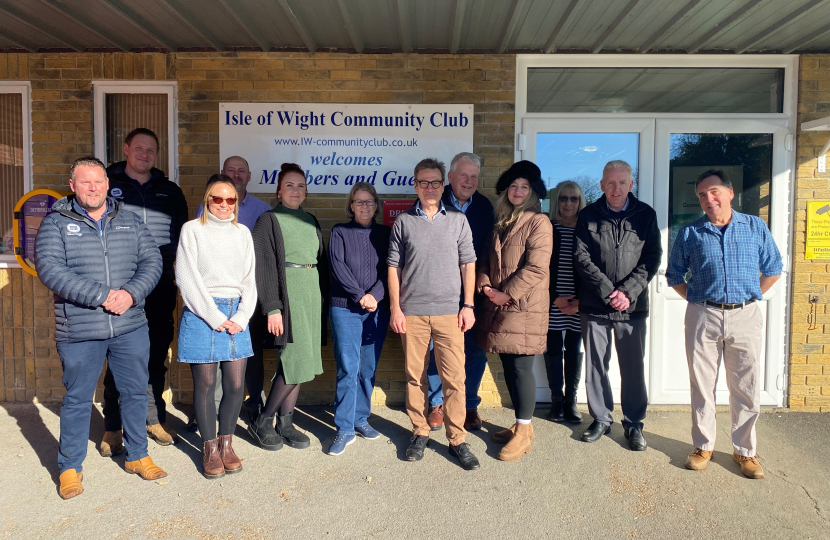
(216, 260)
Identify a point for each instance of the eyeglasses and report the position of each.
(218, 200)
(367, 202)
(435, 184)
(565, 198)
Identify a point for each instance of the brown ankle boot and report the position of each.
(229, 458)
(212, 466)
(145, 468)
(504, 436)
(70, 484)
(519, 445)
(112, 444)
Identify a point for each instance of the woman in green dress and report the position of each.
(292, 284)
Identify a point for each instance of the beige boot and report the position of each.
(145, 468)
(70, 484)
(519, 445)
(504, 436)
(698, 460)
(749, 466)
(112, 444)
(158, 434)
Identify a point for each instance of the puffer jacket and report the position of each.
(80, 266)
(518, 265)
(160, 204)
(616, 253)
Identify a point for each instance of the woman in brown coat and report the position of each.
(514, 276)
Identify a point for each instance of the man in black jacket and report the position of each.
(616, 254)
(161, 205)
(101, 262)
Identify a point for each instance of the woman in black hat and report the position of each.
(513, 275)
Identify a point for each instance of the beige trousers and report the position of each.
(448, 342)
(735, 335)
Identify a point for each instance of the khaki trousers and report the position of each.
(735, 335)
(448, 343)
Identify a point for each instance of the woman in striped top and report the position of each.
(564, 334)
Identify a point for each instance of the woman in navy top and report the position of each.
(359, 312)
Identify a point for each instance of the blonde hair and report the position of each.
(214, 181)
(507, 214)
(618, 164)
(554, 197)
(368, 188)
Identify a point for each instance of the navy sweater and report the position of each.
(358, 263)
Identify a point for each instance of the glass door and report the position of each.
(753, 154)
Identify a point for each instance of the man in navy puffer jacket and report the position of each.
(101, 262)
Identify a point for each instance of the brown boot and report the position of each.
(229, 458)
(112, 444)
(158, 434)
(519, 445)
(698, 460)
(145, 468)
(70, 484)
(749, 466)
(504, 436)
(211, 461)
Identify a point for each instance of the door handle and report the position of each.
(660, 274)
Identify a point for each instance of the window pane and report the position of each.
(11, 164)
(655, 90)
(126, 112)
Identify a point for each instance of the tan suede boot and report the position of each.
(519, 445)
(112, 444)
(158, 434)
(749, 466)
(698, 460)
(70, 484)
(145, 468)
(504, 436)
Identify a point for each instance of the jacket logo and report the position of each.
(119, 227)
(161, 194)
(116, 192)
(73, 229)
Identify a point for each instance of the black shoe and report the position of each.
(291, 435)
(595, 432)
(252, 411)
(417, 444)
(636, 441)
(263, 433)
(557, 413)
(571, 413)
(465, 456)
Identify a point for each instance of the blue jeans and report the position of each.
(358, 340)
(474, 366)
(127, 356)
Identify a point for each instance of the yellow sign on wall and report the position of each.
(818, 230)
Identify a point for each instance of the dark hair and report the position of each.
(286, 168)
(86, 162)
(141, 131)
(714, 172)
(218, 177)
(430, 163)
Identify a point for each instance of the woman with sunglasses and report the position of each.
(292, 280)
(215, 273)
(513, 275)
(564, 333)
(359, 312)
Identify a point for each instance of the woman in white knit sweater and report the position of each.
(215, 274)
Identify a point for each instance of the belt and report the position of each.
(728, 306)
(293, 265)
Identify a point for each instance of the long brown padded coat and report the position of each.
(518, 265)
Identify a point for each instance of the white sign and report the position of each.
(340, 144)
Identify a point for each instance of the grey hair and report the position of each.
(368, 188)
(618, 164)
(465, 156)
(554, 197)
(86, 162)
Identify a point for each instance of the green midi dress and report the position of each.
(302, 359)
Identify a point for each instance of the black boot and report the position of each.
(291, 435)
(263, 433)
(573, 371)
(556, 413)
(571, 413)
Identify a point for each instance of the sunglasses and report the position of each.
(218, 200)
(565, 198)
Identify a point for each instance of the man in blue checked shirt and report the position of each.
(732, 260)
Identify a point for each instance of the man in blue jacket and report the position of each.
(161, 205)
(101, 262)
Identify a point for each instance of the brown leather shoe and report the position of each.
(211, 461)
(112, 444)
(749, 466)
(698, 460)
(145, 468)
(518, 446)
(504, 436)
(231, 462)
(435, 417)
(70, 484)
(158, 434)
(473, 420)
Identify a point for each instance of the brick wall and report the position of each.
(810, 344)
(62, 131)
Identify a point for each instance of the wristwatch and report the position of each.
(467, 306)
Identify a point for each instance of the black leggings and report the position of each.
(204, 388)
(563, 345)
(521, 383)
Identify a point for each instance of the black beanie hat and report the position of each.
(527, 170)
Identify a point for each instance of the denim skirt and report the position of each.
(200, 344)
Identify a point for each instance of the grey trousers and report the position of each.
(630, 342)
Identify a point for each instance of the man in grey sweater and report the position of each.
(431, 257)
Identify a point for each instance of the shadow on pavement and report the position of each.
(318, 422)
(38, 436)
